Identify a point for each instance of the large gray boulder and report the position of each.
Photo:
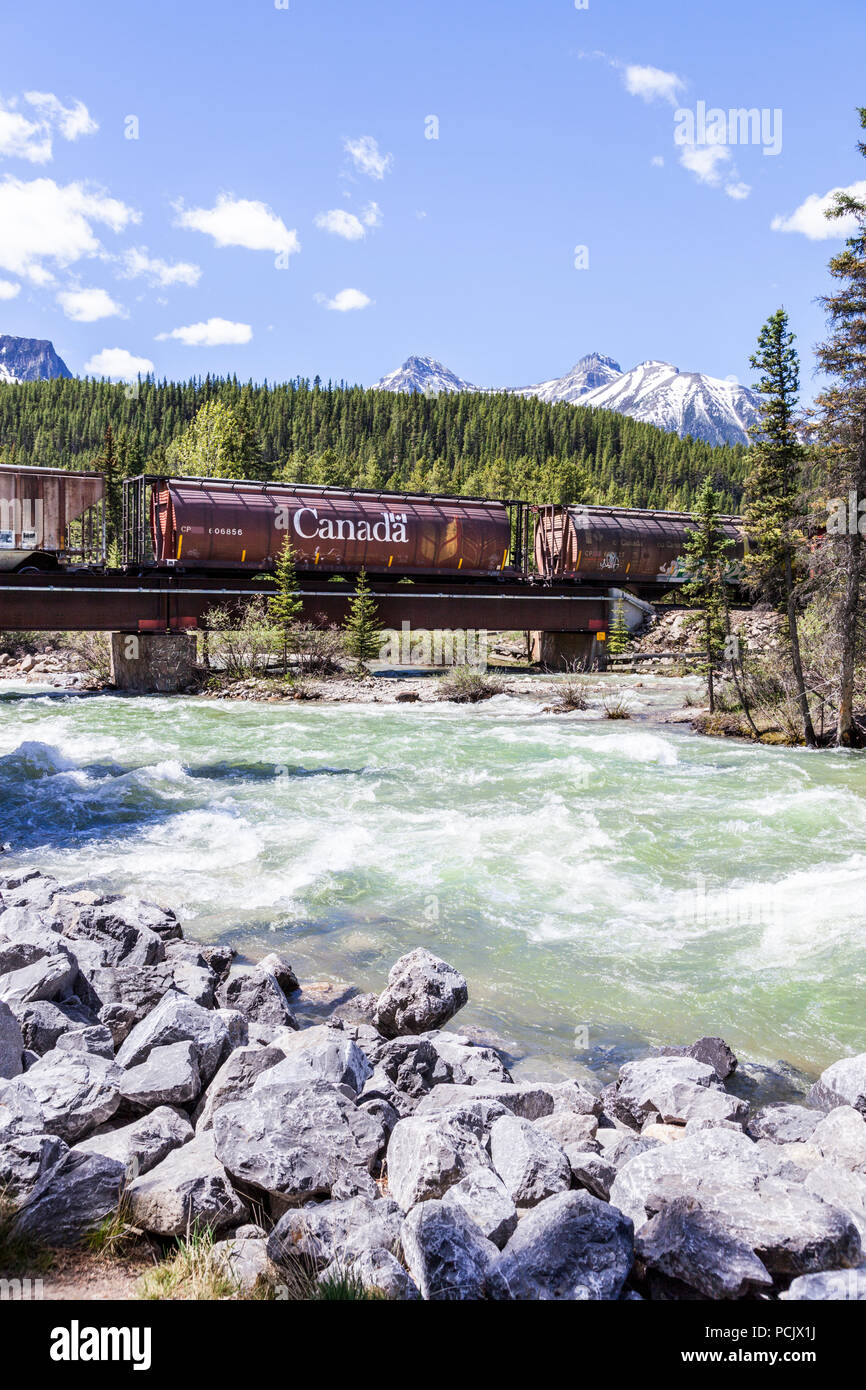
(11, 1043)
(379, 1273)
(96, 1039)
(571, 1247)
(190, 1188)
(841, 1138)
(714, 1051)
(75, 1091)
(25, 1161)
(784, 1123)
(591, 1170)
(320, 1053)
(122, 995)
(244, 1259)
(843, 1083)
(530, 1162)
(167, 1076)
(255, 993)
(49, 976)
(45, 1020)
(484, 1197)
(836, 1284)
(120, 930)
(233, 1080)
(690, 1246)
(466, 1063)
(675, 1088)
(448, 1257)
(176, 1018)
(327, 1231)
(143, 1144)
(568, 1127)
(72, 1198)
(297, 1141)
(843, 1189)
(427, 1154)
(423, 992)
(528, 1100)
(20, 1111)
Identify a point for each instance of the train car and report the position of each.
(620, 544)
(49, 518)
(230, 525)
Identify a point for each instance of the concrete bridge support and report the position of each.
(569, 651)
(153, 662)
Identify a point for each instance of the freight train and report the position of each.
(51, 519)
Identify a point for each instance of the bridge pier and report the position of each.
(153, 662)
(569, 651)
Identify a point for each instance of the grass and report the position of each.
(193, 1272)
(115, 1234)
(570, 695)
(616, 707)
(466, 685)
(345, 1287)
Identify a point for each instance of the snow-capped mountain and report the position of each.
(425, 376)
(589, 374)
(6, 375)
(683, 402)
(30, 359)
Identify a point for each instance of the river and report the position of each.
(602, 884)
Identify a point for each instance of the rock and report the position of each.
(575, 1098)
(837, 1284)
(233, 1080)
(485, 1198)
(20, 1111)
(237, 1027)
(466, 1064)
(530, 1163)
(760, 1084)
(190, 1187)
(177, 1019)
(841, 1138)
(448, 1257)
(734, 1179)
(361, 1008)
(296, 1141)
(324, 1232)
(282, 972)
(423, 992)
(427, 1154)
(143, 1144)
(25, 1161)
(75, 1091)
(689, 1245)
(43, 1022)
(380, 1273)
(843, 1083)
(96, 1039)
(319, 1052)
(406, 1070)
(570, 1247)
(124, 995)
(256, 994)
(120, 930)
(245, 1261)
(678, 1088)
(48, 977)
(529, 1101)
(669, 1134)
(841, 1188)
(783, 1123)
(72, 1198)
(714, 1051)
(11, 1043)
(590, 1170)
(168, 1076)
(568, 1127)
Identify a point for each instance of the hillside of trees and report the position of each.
(494, 445)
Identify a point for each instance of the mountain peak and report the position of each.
(30, 359)
(423, 376)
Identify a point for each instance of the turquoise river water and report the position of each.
(601, 884)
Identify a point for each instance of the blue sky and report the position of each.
(282, 210)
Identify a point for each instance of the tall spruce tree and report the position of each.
(841, 433)
(774, 489)
(286, 605)
(363, 634)
(108, 465)
(706, 560)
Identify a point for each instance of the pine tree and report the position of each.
(841, 434)
(286, 605)
(618, 633)
(774, 488)
(363, 634)
(108, 465)
(706, 559)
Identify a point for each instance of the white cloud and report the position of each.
(368, 158)
(45, 221)
(8, 290)
(738, 190)
(118, 365)
(241, 222)
(372, 215)
(88, 305)
(137, 261)
(346, 300)
(215, 333)
(705, 161)
(809, 218)
(341, 223)
(652, 84)
(658, 161)
(31, 137)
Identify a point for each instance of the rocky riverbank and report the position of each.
(151, 1084)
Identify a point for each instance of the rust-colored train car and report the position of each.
(216, 524)
(619, 544)
(49, 517)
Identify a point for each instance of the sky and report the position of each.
(277, 188)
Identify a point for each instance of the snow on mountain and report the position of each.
(6, 375)
(683, 402)
(589, 374)
(30, 359)
(425, 376)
